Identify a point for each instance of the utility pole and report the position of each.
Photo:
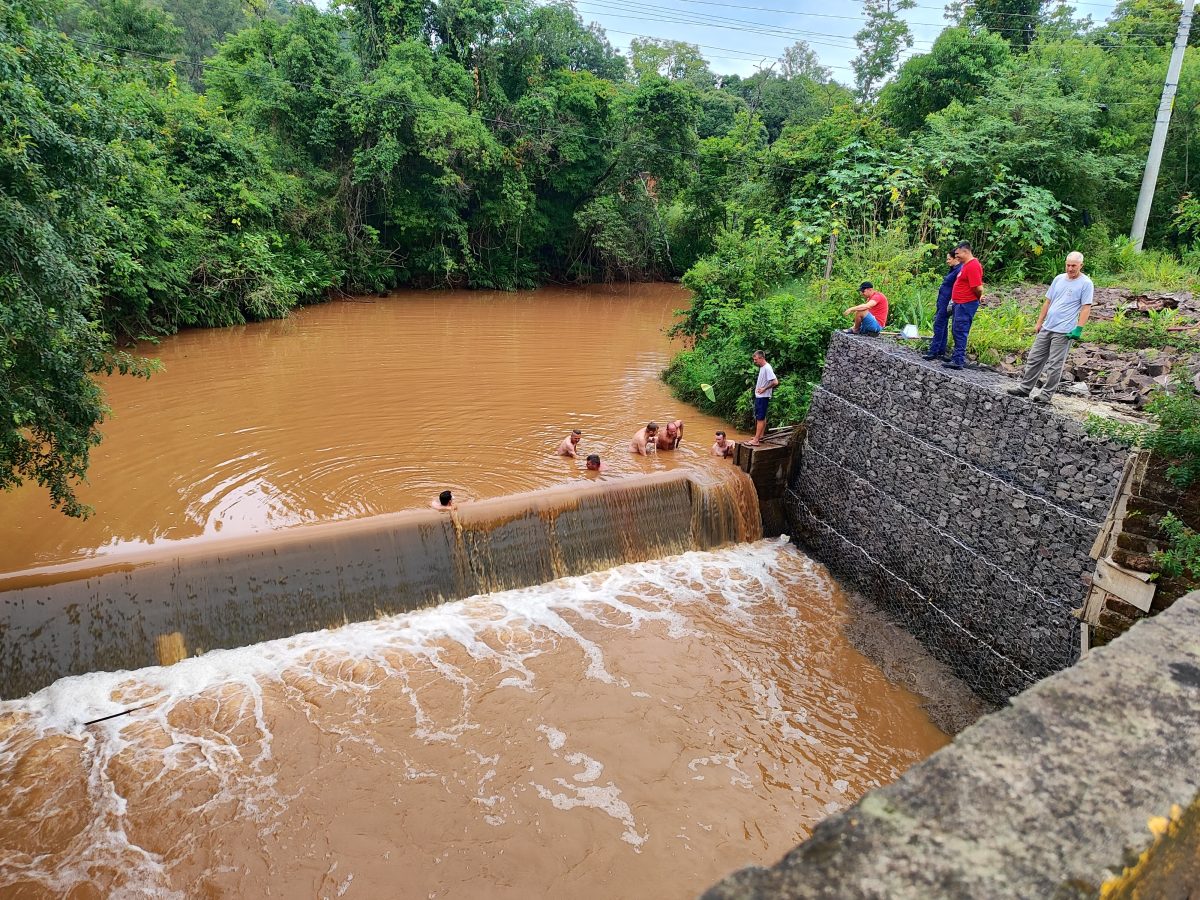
(1141, 216)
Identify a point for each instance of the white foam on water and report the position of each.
(591, 768)
(554, 737)
(506, 631)
(606, 799)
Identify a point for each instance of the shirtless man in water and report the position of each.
(567, 447)
(594, 464)
(443, 501)
(723, 447)
(672, 437)
(644, 438)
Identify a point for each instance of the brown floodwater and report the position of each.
(638, 732)
(366, 406)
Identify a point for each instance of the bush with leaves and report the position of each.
(1174, 436)
(56, 164)
(740, 270)
(1181, 559)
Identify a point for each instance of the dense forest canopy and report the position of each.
(172, 163)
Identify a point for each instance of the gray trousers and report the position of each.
(1046, 359)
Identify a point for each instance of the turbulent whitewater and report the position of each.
(634, 732)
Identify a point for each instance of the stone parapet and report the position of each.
(1087, 785)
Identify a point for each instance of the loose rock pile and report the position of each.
(1119, 375)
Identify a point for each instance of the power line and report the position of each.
(634, 12)
(668, 15)
(838, 16)
(750, 55)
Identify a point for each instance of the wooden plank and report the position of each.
(1132, 587)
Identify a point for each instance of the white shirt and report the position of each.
(1067, 297)
(765, 376)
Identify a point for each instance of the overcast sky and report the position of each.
(740, 35)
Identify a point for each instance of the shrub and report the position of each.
(1175, 435)
(1181, 559)
(1001, 330)
(741, 269)
(792, 327)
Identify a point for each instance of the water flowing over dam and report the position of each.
(267, 667)
(86, 617)
(634, 732)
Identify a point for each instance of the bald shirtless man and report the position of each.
(672, 436)
(646, 440)
(567, 447)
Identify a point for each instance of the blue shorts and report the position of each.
(869, 325)
(760, 408)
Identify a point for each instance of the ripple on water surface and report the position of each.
(356, 408)
(635, 732)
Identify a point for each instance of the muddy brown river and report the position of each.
(635, 732)
(354, 408)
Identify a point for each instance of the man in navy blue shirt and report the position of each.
(941, 318)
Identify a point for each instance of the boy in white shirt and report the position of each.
(763, 388)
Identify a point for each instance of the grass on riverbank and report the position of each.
(736, 309)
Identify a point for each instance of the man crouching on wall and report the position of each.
(1064, 312)
(871, 315)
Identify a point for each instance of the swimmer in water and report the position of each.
(443, 501)
(672, 437)
(646, 440)
(594, 464)
(567, 447)
(723, 447)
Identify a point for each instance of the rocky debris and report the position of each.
(1108, 301)
(1115, 374)
(1125, 376)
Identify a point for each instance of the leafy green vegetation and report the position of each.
(1181, 559)
(169, 164)
(1173, 436)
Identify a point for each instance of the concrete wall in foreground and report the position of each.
(966, 513)
(1087, 785)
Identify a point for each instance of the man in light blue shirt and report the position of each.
(1064, 313)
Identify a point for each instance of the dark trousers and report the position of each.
(941, 325)
(964, 315)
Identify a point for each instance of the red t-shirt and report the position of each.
(970, 276)
(879, 310)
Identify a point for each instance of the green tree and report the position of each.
(1016, 21)
(801, 61)
(203, 25)
(880, 42)
(673, 60)
(54, 164)
(129, 24)
(958, 67)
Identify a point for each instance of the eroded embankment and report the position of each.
(158, 607)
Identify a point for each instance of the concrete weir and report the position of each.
(167, 604)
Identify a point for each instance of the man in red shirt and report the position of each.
(871, 315)
(964, 300)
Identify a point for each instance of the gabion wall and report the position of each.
(966, 513)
